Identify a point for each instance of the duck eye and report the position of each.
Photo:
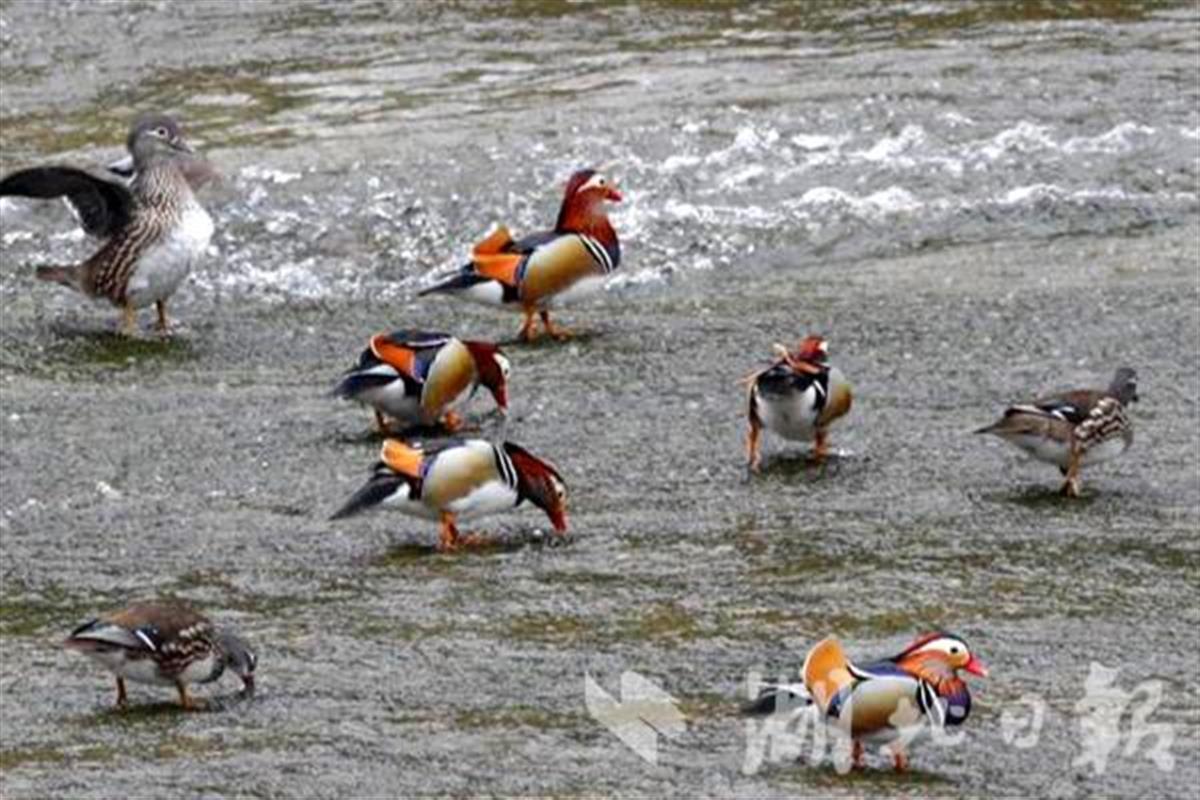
(954, 650)
(160, 132)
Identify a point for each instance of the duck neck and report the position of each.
(588, 219)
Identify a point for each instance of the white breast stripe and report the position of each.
(934, 709)
(506, 467)
(599, 253)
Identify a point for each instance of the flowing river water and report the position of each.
(975, 202)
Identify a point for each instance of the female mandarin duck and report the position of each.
(460, 479)
(154, 228)
(545, 270)
(166, 644)
(886, 702)
(1074, 429)
(414, 377)
(798, 397)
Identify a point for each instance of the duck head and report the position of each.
(237, 656)
(583, 205)
(813, 349)
(1124, 386)
(944, 647)
(539, 483)
(809, 356)
(155, 134)
(492, 367)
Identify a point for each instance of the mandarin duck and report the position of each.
(1073, 429)
(798, 397)
(545, 270)
(460, 479)
(414, 377)
(166, 644)
(154, 228)
(887, 702)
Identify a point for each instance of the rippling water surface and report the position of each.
(363, 142)
(974, 200)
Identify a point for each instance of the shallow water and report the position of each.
(974, 202)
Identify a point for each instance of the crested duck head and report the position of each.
(583, 206)
(540, 483)
(493, 368)
(813, 350)
(944, 647)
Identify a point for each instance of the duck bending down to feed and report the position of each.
(166, 644)
(1074, 429)
(460, 479)
(414, 378)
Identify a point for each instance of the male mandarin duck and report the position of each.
(460, 479)
(414, 377)
(886, 702)
(1074, 429)
(153, 227)
(797, 397)
(545, 270)
(166, 644)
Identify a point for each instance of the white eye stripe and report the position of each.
(945, 644)
(595, 182)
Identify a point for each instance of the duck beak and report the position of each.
(558, 518)
(976, 667)
(248, 685)
(502, 401)
(612, 194)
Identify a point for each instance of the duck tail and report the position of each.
(465, 278)
(67, 276)
(356, 382)
(779, 698)
(374, 492)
